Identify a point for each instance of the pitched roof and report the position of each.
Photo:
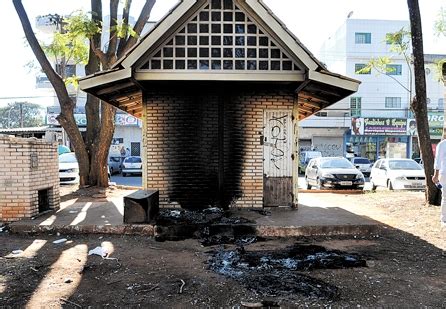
(121, 86)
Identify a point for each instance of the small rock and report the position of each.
(370, 263)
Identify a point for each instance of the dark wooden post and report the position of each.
(221, 149)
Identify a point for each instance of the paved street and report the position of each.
(136, 181)
(133, 180)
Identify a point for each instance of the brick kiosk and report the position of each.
(29, 177)
(220, 86)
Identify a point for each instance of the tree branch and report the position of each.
(125, 22)
(139, 26)
(53, 77)
(385, 73)
(113, 38)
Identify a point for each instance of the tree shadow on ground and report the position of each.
(150, 273)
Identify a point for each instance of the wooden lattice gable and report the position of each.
(221, 37)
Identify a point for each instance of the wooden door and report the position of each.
(277, 163)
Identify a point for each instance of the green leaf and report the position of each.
(440, 23)
(73, 80)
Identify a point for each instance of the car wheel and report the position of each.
(373, 185)
(124, 174)
(307, 184)
(319, 185)
(389, 185)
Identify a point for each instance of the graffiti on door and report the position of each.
(278, 138)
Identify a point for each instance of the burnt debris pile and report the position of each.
(212, 226)
(276, 273)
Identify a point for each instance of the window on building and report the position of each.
(70, 70)
(363, 38)
(441, 103)
(355, 106)
(42, 79)
(393, 102)
(321, 114)
(359, 67)
(394, 69)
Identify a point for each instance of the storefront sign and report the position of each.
(81, 120)
(436, 119)
(436, 122)
(126, 120)
(379, 126)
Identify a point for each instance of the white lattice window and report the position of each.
(355, 106)
(220, 37)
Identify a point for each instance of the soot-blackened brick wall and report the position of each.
(181, 140)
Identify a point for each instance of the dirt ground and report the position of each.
(404, 266)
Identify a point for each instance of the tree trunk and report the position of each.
(419, 105)
(66, 116)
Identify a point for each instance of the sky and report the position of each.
(312, 22)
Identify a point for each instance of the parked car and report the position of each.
(115, 165)
(131, 165)
(362, 164)
(397, 174)
(68, 168)
(333, 172)
(419, 161)
(305, 157)
(63, 149)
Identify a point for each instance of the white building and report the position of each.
(375, 121)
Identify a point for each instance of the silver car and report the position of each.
(131, 165)
(362, 164)
(114, 165)
(333, 172)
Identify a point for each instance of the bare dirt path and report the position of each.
(404, 266)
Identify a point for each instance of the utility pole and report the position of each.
(9, 116)
(20, 104)
(21, 114)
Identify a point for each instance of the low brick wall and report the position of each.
(29, 177)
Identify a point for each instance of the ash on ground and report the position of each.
(276, 273)
(212, 215)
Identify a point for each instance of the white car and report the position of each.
(397, 174)
(131, 165)
(362, 164)
(68, 168)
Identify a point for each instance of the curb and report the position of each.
(123, 187)
(177, 231)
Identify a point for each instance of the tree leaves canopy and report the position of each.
(10, 115)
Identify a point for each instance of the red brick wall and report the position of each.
(181, 137)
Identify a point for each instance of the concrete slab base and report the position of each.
(106, 217)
